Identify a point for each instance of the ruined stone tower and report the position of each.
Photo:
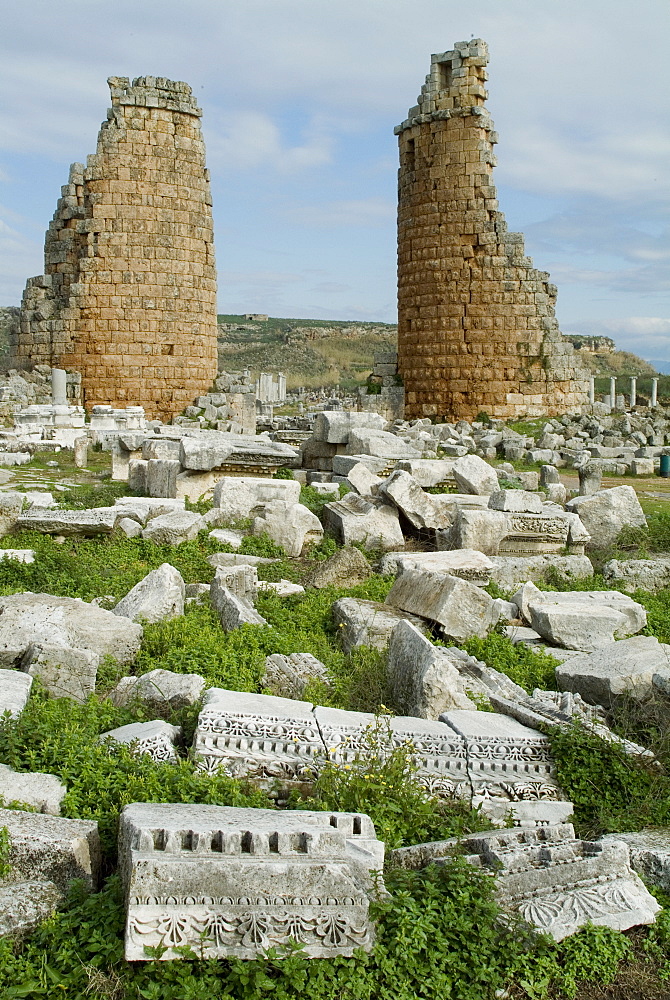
(476, 324)
(128, 297)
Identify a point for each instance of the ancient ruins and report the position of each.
(128, 297)
(476, 325)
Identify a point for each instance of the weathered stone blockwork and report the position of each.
(128, 297)
(476, 324)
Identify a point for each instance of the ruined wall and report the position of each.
(476, 324)
(128, 297)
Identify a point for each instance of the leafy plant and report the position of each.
(379, 777)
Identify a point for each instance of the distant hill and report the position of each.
(309, 352)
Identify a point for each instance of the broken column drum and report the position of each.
(476, 325)
(128, 297)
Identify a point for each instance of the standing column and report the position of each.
(633, 391)
(592, 390)
(613, 393)
(58, 387)
(654, 392)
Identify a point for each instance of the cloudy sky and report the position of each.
(300, 98)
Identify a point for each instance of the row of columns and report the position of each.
(633, 392)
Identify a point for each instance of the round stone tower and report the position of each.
(476, 324)
(128, 297)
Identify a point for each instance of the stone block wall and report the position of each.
(476, 324)
(128, 297)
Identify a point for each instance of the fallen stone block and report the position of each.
(483, 530)
(574, 626)
(428, 472)
(25, 556)
(291, 525)
(159, 689)
(346, 568)
(14, 692)
(204, 452)
(516, 502)
(240, 496)
(46, 854)
(226, 536)
(509, 763)
(263, 737)
(158, 597)
(362, 480)
(334, 426)
(368, 623)
(156, 738)
(343, 464)
(34, 790)
(174, 528)
(509, 572)
(468, 564)
(162, 475)
(242, 581)
(649, 854)
(66, 623)
(97, 521)
(244, 880)
(423, 680)
(619, 668)
(288, 675)
(605, 513)
(380, 444)
(583, 619)
(639, 574)
(282, 588)
(459, 607)
(357, 519)
(130, 528)
(24, 905)
(65, 673)
(233, 611)
(474, 475)
(422, 510)
(237, 559)
(558, 884)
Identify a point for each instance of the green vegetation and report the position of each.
(439, 932)
(310, 352)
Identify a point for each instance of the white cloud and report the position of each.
(646, 336)
(250, 139)
(353, 212)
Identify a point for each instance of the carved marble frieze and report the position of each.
(225, 882)
(558, 883)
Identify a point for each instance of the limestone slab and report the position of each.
(174, 528)
(368, 623)
(155, 738)
(14, 692)
(605, 513)
(42, 792)
(244, 880)
(557, 883)
(65, 622)
(257, 736)
(157, 597)
(459, 607)
(618, 668)
(423, 680)
(359, 519)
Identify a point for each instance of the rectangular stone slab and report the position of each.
(234, 882)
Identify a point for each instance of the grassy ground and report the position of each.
(439, 933)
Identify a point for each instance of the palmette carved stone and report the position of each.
(557, 883)
(244, 880)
